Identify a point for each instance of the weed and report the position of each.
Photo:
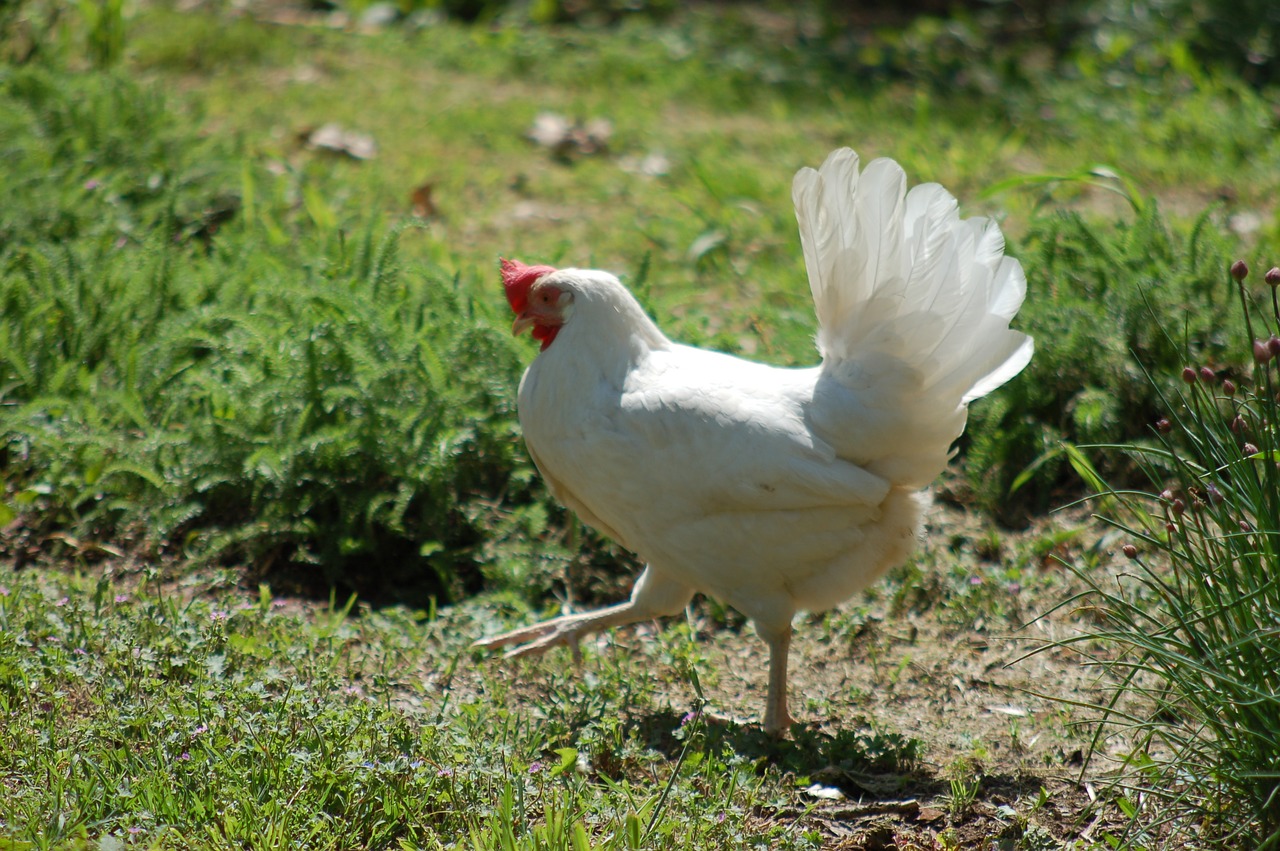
(964, 783)
(1192, 623)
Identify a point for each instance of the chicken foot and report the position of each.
(652, 597)
(565, 630)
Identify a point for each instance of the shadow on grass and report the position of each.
(861, 763)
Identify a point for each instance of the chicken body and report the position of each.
(773, 490)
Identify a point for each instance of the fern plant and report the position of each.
(299, 401)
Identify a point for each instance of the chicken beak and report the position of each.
(523, 322)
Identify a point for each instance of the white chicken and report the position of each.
(773, 490)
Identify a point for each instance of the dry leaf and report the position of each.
(930, 814)
(339, 140)
(423, 206)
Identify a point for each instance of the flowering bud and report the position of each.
(1238, 425)
(1179, 508)
(1245, 527)
(1228, 387)
(1273, 345)
(1163, 425)
(1189, 375)
(1273, 276)
(1129, 550)
(1207, 375)
(1249, 450)
(1239, 270)
(1215, 495)
(1261, 353)
(1170, 528)
(1166, 495)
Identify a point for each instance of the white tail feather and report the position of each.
(913, 307)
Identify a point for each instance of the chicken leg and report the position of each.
(777, 720)
(653, 596)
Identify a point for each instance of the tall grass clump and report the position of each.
(1192, 630)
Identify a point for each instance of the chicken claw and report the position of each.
(537, 639)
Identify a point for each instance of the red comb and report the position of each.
(517, 278)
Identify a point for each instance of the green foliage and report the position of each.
(96, 157)
(230, 388)
(104, 30)
(199, 42)
(1097, 297)
(1190, 631)
(1241, 37)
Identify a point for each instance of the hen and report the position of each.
(773, 490)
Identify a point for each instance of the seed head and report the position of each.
(1273, 276)
(1239, 270)
(1129, 550)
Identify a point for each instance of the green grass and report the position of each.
(152, 712)
(185, 718)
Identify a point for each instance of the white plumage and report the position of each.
(773, 490)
